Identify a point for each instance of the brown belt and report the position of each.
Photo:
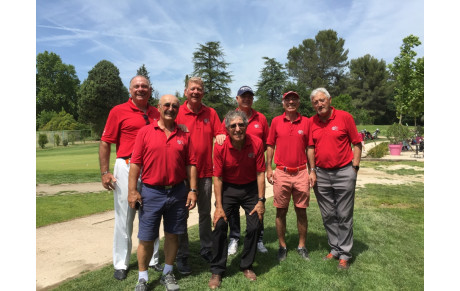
(291, 170)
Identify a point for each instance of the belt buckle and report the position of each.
(168, 187)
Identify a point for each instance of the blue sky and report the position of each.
(164, 34)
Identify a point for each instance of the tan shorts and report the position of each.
(286, 184)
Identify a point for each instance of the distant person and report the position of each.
(257, 126)
(332, 134)
(122, 126)
(203, 123)
(239, 180)
(164, 154)
(289, 138)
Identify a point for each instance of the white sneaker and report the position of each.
(232, 246)
(261, 248)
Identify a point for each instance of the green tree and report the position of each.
(42, 140)
(99, 93)
(209, 64)
(368, 85)
(62, 121)
(319, 62)
(273, 78)
(142, 71)
(56, 84)
(44, 117)
(408, 76)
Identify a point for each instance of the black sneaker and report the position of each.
(303, 253)
(120, 274)
(282, 253)
(182, 266)
(169, 281)
(141, 285)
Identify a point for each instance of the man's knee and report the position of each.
(281, 212)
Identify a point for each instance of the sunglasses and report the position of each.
(146, 118)
(240, 125)
(173, 105)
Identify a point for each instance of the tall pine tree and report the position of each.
(209, 64)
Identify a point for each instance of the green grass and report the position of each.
(71, 164)
(59, 208)
(388, 251)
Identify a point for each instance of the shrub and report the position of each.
(57, 139)
(42, 140)
(65, 142)
(379, 150)
(72, 138)
(397, 133)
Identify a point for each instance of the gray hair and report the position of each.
(317, 90)
(235, 114)
(148, 81)
(196, 80)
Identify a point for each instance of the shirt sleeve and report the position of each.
(218, 161)
(111, 129)
(137, 155)
(191, 152)
(271, 140)
(216, 124)
(355, 138)
(260, 158)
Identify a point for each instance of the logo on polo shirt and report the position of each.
(256, 125)
(335, 128)
(206, 120)
(179, 141)
(251, 155)
(300, 132)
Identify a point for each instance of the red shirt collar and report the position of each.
(297, 119)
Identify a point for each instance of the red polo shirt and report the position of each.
(239, 167)
(123, 124)
(332, 139)
(163, 160)
(257, 125)
(203, 128)
(290, 139)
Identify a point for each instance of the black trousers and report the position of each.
(234, 196)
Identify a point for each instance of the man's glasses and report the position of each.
(240, 125)
(146, 118)
(173, 105)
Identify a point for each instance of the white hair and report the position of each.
(317, 90)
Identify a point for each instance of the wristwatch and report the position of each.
(356, 168)
(263, 199)
(193, 190)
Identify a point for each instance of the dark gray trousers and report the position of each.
(204, 218)
(335, 192)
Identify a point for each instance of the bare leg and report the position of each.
(170, 247)
(302, 225)
(281, 225)
(144, 253)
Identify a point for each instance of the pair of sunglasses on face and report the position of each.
(240, 125)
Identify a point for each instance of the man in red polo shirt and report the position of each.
(239, 180)
(289, 133)
(203, 124)
(332, 132)
(121, 128)
(257, 126)
(165, 155)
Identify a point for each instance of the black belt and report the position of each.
(161, 187)
(239, 186)
(333, 169)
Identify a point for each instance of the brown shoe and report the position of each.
(248, 273)
(343, 265)
(214, 282)
(330, 257)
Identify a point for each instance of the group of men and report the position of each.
(166, 160)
